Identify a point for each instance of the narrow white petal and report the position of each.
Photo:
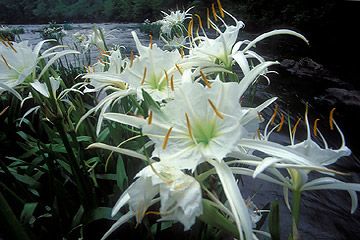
(124, 151)
(118, 223)
(125, 119)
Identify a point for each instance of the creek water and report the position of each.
(325, 214)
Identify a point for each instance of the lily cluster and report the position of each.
(190, 113)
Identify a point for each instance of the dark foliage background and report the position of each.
(328, 24)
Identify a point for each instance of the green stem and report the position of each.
(85, 189)
(296, 206)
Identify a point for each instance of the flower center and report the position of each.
(204, 131)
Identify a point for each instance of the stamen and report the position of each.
(152, 212)
(260, 118)
(131, 58)
(4, 110)
(189, 126)
(297, 123)
(214, 12)
(258, 132)
(150, 117)
(281, 123)
(5, 62)
(220, 8)
(200, 23)
(7, 40)
(315, 126)
(205, 79)
(331, 118)
(274, 115)
(167, 78)
(215, 109)
(182, 52)
(151, 41)
(190, 27)
(3, 42)
(208, 18)
(101, 60)
(179, 69)
(166, 138)
(138, 214)
(172, 83)
(144, 76)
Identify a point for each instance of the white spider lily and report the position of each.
(179, 196)
(154, 71)
(19, 61)
(176, 18)
(44, 91)
(306, 153)
(220, 54)
(200, 123)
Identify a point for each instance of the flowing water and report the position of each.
(325, 213)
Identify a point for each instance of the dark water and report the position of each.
(325, 213)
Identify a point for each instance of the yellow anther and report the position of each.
(200, 23)
(259, 135)
(152, 212)
(167, 77)
(215, 109)
(297, 123)
(331, 118)
(4, 110)
(260, 118)
(208, 18)
(172, 83)
(179, 69)
(5, 62)
(102, 52)
(101, 61)
(190, 27)
(315, 126)
(150, 117)
(131, 58)
(3, 42)
(138, 210)
(214, 12)
(182, 52)
(274, 115)
(205, 79)
(189, 126)
(10, 45)
(220, 8)
(166, 138)
(144, 76)
(281, 123)
(151, 42)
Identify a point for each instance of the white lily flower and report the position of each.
(200, 122)
(19, 61)
(154, 71)
(179, 196)
(306, 153)
(43, 89)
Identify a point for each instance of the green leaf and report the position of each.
(213, 217)
(274, 221)
(84, 139)
(99, 213)
(149, 101)
(121, 173)
(26, 216)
